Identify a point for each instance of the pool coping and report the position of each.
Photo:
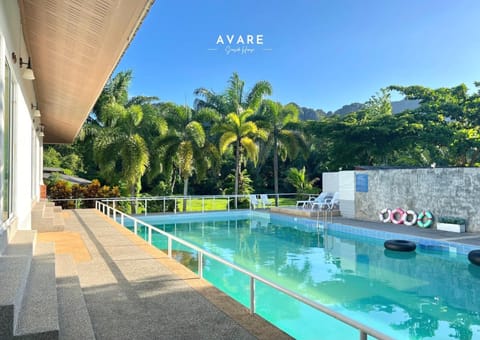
(426, 239)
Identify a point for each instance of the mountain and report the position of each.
(346, 109)
(307, 113)
(406, 104)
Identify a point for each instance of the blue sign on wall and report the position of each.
(361, 182)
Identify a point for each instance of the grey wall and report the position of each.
(448, 191)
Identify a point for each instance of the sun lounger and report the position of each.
(265, 201)
(254, 203)
(319, 199)
(329, 202)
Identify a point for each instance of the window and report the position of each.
(6, 162)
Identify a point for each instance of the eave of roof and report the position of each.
(74, 47)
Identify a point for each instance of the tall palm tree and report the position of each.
(119, 150)
(234, 99)
(285, 138)
(185, 146)
(242, 133)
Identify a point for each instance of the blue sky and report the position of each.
(317, 53)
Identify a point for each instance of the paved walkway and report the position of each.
(134, 291)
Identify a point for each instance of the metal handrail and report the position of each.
(364, 331)
(176, 198)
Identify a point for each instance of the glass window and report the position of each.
(7, 145)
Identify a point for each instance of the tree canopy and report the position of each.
(235, 136)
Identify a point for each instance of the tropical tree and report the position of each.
(234, 98)
(185, 146)
(120, 152)
(238, 131)
(284, 139)
(456, 118)
(299, 180)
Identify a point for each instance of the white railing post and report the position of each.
(135, 227)
(122, 219)
(150, 235)
(164, 204)
(145, 207)
(200, 264)
(175, 205)
(169, 247)
(363, 335)
(252, 295)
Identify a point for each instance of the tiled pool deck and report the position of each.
(425, 237)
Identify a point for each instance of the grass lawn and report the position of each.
(210, 204)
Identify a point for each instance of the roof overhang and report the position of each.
(74, 46)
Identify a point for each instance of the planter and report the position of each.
(454, 228)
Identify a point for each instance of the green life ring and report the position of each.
(425, 219)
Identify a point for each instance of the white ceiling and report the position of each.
(74, 47)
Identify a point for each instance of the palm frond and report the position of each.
(225, 140)
(195, 133)
(251, 148)
(259, 90)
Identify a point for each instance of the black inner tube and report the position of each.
(474, 257)
(400, 245)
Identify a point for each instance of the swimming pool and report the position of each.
(432, 294)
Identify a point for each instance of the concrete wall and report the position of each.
(443, 191)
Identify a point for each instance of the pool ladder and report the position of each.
(327, 217)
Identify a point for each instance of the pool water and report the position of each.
(429, 294)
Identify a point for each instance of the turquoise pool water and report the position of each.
(433, 294)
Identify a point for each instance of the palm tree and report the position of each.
(119, 150)
(234, 99)
(284, 138)
(185, 146)
(237, 130)
(299, 179)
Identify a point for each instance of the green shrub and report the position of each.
(452, 220)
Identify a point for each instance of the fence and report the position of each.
(164, 204)
(115, 214)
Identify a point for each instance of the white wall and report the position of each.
(330, 182)
(25, 165)
(346, 184)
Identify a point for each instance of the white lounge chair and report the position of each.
(265, 201)
(319, 199)
(254, 203)
(329, 202)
